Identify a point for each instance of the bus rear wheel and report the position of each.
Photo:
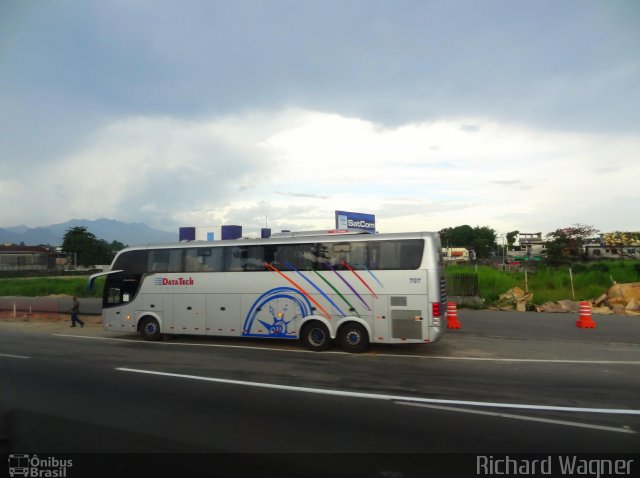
(353, 338)
(150, 329)
(315, 336)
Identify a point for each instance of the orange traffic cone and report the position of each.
(585, 321)
(452, 316)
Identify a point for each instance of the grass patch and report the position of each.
(554, 283)
(43, 286)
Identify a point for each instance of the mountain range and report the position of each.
(130, 234)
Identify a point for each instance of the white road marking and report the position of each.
(426, 357)
(396, 398)
(87, 337)
(497, 359)
(197, 345)
(14, 356)
(520, 417)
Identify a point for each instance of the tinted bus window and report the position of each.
(339, 255)
(244, 258)
(373, 255)
(204, 259)
(120, 288)
(300, 256)
(406, 254)
(132, 262)
(165, 260)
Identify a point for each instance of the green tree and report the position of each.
(89, 250)
(484, 241)
(116, 246)
(511, 237)
(565, 244)
(459, 236)
(481, 239)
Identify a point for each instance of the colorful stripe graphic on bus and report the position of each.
(372, 275)
(274, 312)
(324, 293)
(332, 287)
(346, 282)
(313, 284)
(298, 287)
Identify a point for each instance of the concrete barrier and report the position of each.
(59, 305)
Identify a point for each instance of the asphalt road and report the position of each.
(501, 384)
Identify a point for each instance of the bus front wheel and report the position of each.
(315, 336)
(353, 338)
(150, 329)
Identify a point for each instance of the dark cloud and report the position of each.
(519, 183)
(69, 70)
(570, 65)
(302, 195)
(470, 128)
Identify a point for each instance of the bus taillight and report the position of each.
(435, 309)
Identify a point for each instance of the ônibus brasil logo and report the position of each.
(179, 281)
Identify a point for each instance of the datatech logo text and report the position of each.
(180, 281)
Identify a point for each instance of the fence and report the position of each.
(464, 285)
(23, 262)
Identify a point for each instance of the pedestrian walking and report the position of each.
(74, 311)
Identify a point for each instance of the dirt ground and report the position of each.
(48, 322)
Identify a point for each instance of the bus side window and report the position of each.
(235, 258)
(269, 253)
(175, 260)
(254, 259)
(374, 256)
(300, 256)
(350, 254)
(411, 254)
(212, 260)
(165, 260)
(400, 254)
(323, 256)
(192, 260)
(244, 258)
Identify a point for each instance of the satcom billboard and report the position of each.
(355, 220)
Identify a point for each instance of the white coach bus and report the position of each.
(356, 289)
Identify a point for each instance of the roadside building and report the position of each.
(530, 247)
(32, 259)
(23, 258)
(613, 245)
(457, 254)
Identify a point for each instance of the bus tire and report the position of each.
(353, 338)
(315, 336)
(150, 329)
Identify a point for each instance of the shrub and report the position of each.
(600, 266)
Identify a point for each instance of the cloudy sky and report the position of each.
(428, 114)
